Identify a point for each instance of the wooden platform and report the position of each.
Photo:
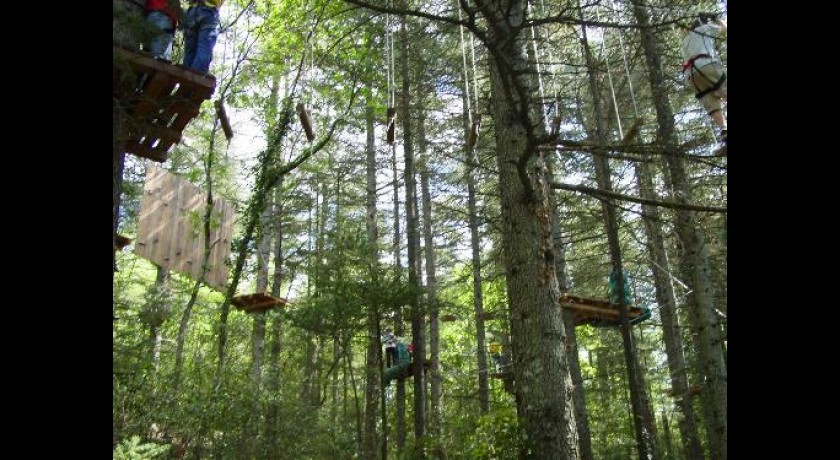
(409, 371)
(121, 241)
(595, 312)
(450, 317)
(161, 98)
(257, 302)
(692, 390)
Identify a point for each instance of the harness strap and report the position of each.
(690, 62)
(712, 88)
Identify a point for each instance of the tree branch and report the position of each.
(605, 194)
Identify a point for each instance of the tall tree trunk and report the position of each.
(399, 330)
(337, 354)
(541, 374)
(431, 279)
(127, 18)
(666, 438)
(271, 447)
(694, 261)
(475, 246)
(645, 434)
(156, 312)
(258, 330)
(373, 358)
(579, 396)
(417, 323)
(668, 312)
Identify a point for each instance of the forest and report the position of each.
(419, 229)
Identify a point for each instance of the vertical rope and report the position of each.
(609, 74)
(539, 70)
(466, 70)
(553, 61)
(624, 58)
(475, 74)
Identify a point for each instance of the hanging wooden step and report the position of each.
(595, 312)
(160, 97)
(303, 114)
(692, 390)
(259, 301)
(472, 137)
(391, 124)
(223, 119)
(121, 241)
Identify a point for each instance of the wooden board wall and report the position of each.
(171, 232)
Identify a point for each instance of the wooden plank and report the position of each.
(171, 227)
(257, 301)
(170, 93)
(138, 150)
(568, 298)
(121, 241)
(223, 118)
(147, 63)
(605, 312)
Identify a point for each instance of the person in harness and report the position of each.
(702, 68)
(201, 29)
(164, 16)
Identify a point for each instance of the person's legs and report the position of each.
(208, 32)
(190, 36)
(704, 78)
(161, 44)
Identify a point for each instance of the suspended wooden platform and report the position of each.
(502, 375)
(692, 390)
(409, 371)
(259, 301)
(595, 312)
(450, 317)
(121, 241)
(161, 99)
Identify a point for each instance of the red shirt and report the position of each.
(162, 6)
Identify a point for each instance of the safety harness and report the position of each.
(690, 64)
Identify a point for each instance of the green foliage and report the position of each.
(498, 435)
(134, 449)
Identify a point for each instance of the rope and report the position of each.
(473, 118)
(464, 60)
(389, 53)
(539, 72)
(609, 74)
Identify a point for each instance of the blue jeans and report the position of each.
(201, 29)
(161, 45)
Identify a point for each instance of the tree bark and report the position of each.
(694, 260)
(399, 330)
(431, 279)
(373, 360)
(578, 394)
(643, 424)
(275, 335)
(668, 312)
(541, 374)
(475, 247)
(417, 323)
